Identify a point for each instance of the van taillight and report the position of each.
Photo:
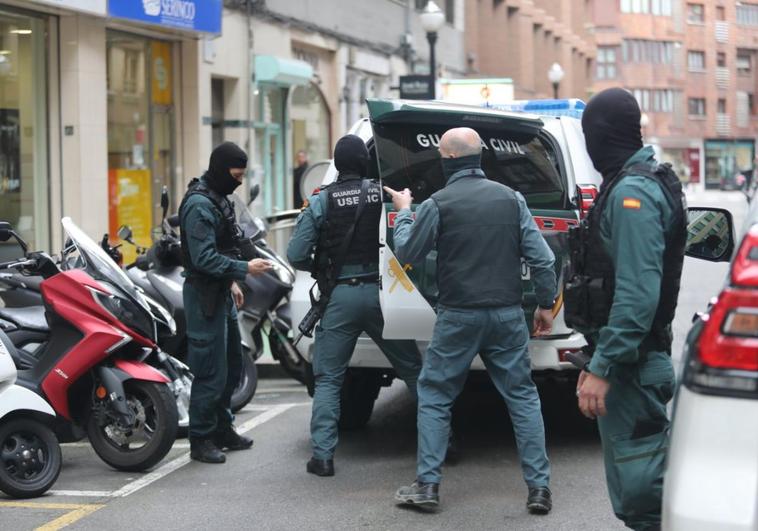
(725, 360)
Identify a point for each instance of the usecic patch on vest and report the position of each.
(630, 202)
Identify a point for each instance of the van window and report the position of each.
(409, 158)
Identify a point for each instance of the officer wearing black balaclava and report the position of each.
(628, 263)
(211, 298)
(331, 218)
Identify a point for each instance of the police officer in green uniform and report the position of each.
(480, 230)
(354, 304)
(627, 262)
(210, 251)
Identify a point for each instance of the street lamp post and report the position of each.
(432, 20)
(555, 75)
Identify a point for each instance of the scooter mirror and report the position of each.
(6, 231)
(164, 201)
(125, 233)
(254, 192)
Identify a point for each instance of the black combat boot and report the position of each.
(421, 494)
(205, 451)
(539, 501)
(320, 467)
(231, 440)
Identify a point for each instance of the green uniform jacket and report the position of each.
(633, 227)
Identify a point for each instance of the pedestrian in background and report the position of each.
(629, 265)
(211, 297)
(301, 164)
(481, 229)
(334, 238)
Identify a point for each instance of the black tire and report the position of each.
(248, 384)
(42, 472)
(159, 427)
(359, 392)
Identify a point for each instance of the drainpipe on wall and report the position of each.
(249, 80)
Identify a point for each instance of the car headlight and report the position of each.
(127, 312)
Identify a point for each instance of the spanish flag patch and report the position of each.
(630, 202)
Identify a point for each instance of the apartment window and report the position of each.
(655, 7)
(722, 106)
(450, 11)
(696, 106)
(655, 100)
(747, 14)
(721, 60)
(744, 62)
(646, 51)
(720, 13)
(606, 62)
(696, 61)
(696, 13)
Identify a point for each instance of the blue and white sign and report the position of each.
(202, 16)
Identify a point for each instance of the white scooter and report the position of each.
(30, 456)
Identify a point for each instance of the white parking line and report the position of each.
(177, 463)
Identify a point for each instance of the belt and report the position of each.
(355, 281)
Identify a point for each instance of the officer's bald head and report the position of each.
(460, 142)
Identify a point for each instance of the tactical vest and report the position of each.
(342, 199)
(228, 233)
(479, 244)
(588, 295)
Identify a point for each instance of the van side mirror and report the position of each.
(710, 234)
(255, 191)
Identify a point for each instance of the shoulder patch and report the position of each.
(631, 202)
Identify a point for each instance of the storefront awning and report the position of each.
(272, 69)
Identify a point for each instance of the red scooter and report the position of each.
(91, 370)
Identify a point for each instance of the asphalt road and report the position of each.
(267, 487)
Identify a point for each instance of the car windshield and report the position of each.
(95, 261)
(409, 158)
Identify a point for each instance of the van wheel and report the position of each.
(359, 392)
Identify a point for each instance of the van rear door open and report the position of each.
(516, 151)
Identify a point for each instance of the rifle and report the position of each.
(318, 306)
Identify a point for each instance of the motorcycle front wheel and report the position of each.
(143, 444)
(30, 458)
(247, 385)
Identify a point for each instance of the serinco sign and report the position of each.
(194, 15)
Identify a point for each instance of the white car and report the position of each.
(711, 482)
(531, 154)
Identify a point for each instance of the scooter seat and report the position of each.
(30, 317)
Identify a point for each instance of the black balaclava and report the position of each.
(225, 157)
(351, 156)
(453, 166)
(611, 124)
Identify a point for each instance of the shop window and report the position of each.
(696, 61)
(696, 13)
(744, 62)
(607, 62)
(217, 111)
(140, 132)
(696, 107)
(24, 180)
(721, 60)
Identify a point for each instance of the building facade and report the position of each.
(521, 39)
(692, 65)
(104, 103)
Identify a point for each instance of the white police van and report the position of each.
(543, 157)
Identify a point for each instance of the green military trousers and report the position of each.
(351, 311)
(634, 433)
(214, 355)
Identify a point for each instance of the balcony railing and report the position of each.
(722, 77)
(722, 31)
(723, 124)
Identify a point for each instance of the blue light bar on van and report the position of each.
(567, 107)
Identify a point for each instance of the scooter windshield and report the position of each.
(251, 225)
(94, 260)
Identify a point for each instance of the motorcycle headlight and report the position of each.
(128, 313)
